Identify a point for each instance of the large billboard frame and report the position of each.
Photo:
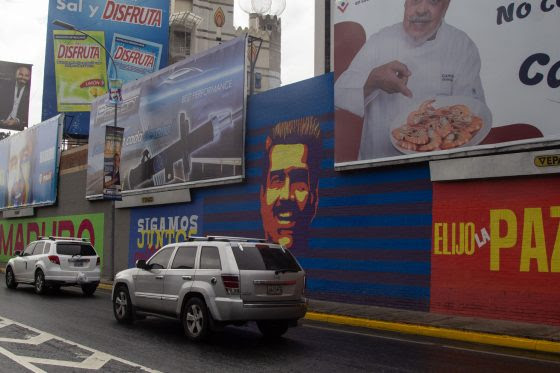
(127, 194)
(503, 16)
(45, 175)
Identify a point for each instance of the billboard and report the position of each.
(118, 21)
(79, 69)
(15, 86)
(29, 165)
(134, 57)
(496, 248)
(182, 125)
(416, 79)
(111, 163)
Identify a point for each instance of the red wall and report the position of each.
(496, 249)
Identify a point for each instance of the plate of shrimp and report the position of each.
(441, 123)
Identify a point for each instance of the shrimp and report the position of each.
(475, 125)
(426, 107)
(417, 136)
(415, 118)
(407, 145)
(461, 113)
(434, 144)
(455, 139)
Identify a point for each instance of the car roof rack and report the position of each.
(235, 239)
(196, 238)
(52, 238)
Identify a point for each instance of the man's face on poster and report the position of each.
(288, 202)
(23, 75)
(422, 18)
(19, 171)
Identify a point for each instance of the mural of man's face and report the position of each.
(288, 203)
(422, 18)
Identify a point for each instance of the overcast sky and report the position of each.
(23, 26)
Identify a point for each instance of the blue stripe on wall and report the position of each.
(370, 244)
(368, 289)
(416, 268)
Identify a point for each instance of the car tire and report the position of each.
(10, 279)
(40, 283)
(89, 289)
(273, 329)
(196, 320)
(122, 305)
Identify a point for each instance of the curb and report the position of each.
(430, 331)
(536, 345)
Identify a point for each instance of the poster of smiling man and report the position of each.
(416, 78)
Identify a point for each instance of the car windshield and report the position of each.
(68, 248)
(264, 257)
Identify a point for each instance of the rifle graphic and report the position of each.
(173, 164)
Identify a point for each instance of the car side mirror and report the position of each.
(141, 263)
(18, 252)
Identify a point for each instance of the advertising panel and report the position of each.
(418, 78)
(146, 20)
(16, 234)
(79, 68)
(30, 165)
(154, 227)
(496, 249)
(183, 124)
(112, 161)
(15, 86)
(362, 238)
(134, 57)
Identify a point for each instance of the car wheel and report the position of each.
(273, 328)
(122, 305)
(10, 279)
(40, 285)
(89, 289)
(195, 319)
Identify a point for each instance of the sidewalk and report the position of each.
(535, 337)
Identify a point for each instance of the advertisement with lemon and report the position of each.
(80, 71)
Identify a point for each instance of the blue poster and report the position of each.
(29, 171)
(134, 57)
(147, 20)
(154, 227)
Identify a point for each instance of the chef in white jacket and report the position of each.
(408, 62)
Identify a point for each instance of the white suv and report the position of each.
(209, 282)
(52, 262)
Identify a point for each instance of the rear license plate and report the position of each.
(78, 264)
(274, 290)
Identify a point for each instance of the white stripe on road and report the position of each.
(96, 361)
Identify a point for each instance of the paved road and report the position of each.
(67, 332)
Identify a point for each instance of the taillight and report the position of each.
(54, 259)
(98, 262)
(231, 283)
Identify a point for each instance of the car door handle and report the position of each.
(186, 277)
(160, 277)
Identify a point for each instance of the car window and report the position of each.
(75, 248)
(161, 259)
(184, 258)
(264, 257)
(38, 250)
(210, 258)
(29, 249)
(47, 248)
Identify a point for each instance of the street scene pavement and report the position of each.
(67, 332)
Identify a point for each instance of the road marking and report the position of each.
(372, 335)
(95, 361)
